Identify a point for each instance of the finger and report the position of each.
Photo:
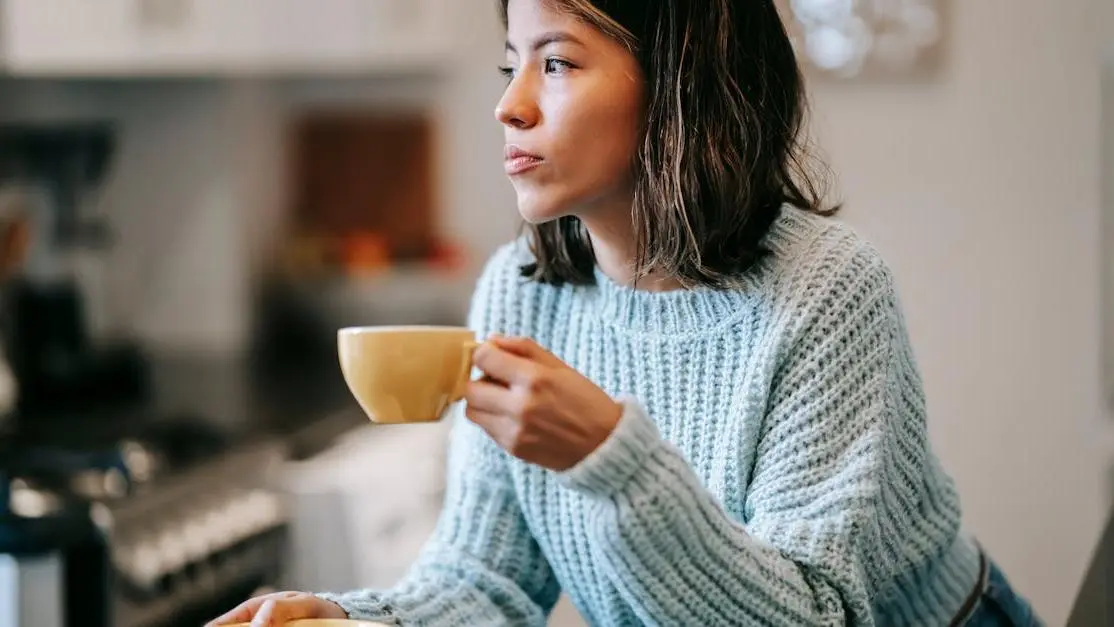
(499, 427)
(242, 613)
(490, 396)
(501, 365)
(525, 347)
(245, 611)
(265, 617)
(277, 612)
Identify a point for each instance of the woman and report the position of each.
(701, 407)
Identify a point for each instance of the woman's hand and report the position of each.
(278, 608)
(536, 407)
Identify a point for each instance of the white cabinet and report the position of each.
(123, 37)
(215, 37)
(353, 35)
(363, 509)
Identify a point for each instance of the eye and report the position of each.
(557, 66)
(507, 72)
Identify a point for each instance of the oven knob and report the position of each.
(196, 540)
(239, 519)
(172, 550)
(215, 525)
(264, 511)
(146, 564)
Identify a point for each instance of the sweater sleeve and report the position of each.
(482, 565)
(807, 552)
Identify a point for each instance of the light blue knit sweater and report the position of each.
(772, 466)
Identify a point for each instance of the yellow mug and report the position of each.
(405, 374)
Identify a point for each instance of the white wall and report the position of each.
(175, 197)
(982, 189)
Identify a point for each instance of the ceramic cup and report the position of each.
(406, 374)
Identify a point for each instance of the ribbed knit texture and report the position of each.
(772, 466)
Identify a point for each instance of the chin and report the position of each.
(538, 210)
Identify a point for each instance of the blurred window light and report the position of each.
(847, 38)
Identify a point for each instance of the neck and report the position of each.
(613, 242)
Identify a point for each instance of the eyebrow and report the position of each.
(548, 38)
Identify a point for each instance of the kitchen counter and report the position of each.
(234, 401)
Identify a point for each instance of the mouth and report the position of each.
(518, 161)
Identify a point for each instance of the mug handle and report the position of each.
(465, 371)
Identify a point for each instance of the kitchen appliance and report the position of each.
(47, 172)
(14, 235)
(134, 521)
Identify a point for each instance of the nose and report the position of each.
(518, 108)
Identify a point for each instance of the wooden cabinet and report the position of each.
(219, 37)
(366, 177)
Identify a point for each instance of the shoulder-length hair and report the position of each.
(722, 148)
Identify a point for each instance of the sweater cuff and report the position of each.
(358, 606)
(608, 469)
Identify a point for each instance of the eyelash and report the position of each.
(508, 71)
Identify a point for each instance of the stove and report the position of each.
(132, 520)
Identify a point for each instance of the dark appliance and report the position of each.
(135, 522)
(116, 510)
(54, 168)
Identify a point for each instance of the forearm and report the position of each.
(481, 566)
(673, 552)
(445, 590)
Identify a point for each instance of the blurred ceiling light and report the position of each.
(851, 38)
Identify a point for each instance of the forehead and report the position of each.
(528, 17)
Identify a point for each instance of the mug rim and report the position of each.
(372, 329)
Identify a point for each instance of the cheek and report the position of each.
(598, 137)
(592, 134)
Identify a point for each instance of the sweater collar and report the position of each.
(701, 309)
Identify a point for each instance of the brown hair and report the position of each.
(722, 149)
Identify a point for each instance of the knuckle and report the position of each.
(530, 412)
(480, 355)
(537, 380)
(473, 393)
(523, 405)
(471, 414)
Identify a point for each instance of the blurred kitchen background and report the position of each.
(207, 189)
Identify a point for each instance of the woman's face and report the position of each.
(571, 114)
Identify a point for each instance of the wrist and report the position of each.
(622, 454)
(334, 610)
(608, 421)
(334, 605)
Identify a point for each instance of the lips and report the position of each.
(518, 161)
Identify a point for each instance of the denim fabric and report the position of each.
(1000, 606)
